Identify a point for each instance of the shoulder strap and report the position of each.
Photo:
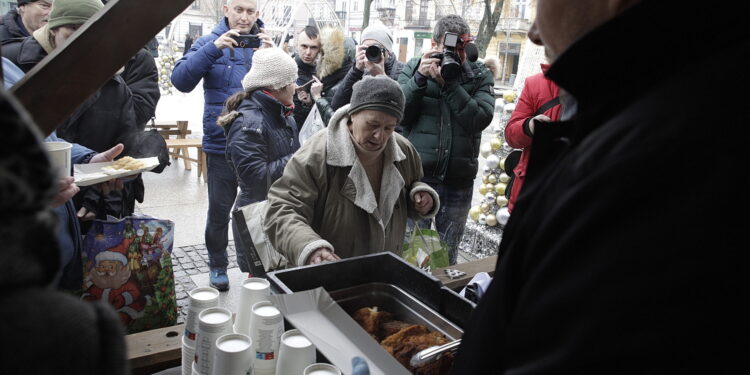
(547, 106)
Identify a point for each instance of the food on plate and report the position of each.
(402, 340)
(126, 163)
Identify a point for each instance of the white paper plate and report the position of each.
(93, 173)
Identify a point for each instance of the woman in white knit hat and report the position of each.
(260, 128)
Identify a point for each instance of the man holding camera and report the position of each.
(449, 103)
(374, 57)
(221, 59)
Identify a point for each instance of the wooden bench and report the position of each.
(182, 147)
(160, 349)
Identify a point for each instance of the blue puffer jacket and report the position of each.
(260, 141)
(222, 72)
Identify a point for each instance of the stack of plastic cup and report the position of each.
(252, 291)
(266, 328)
(213, 323)
(295, 353)
(234, 355)
(199, 300)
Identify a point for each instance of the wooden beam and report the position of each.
(53, 89)
(471, 268)
(155, 350)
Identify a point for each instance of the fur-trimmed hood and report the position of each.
(335, 49)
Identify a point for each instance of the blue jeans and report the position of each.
(222, 190)
(455, 203)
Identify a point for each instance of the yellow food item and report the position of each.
(128, 163)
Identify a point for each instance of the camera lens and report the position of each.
(374, 53)
(450, 69)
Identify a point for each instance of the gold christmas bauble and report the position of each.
(492, 178)
(502, 164)
(484, 207)
(496, 143)
(504, 178)
(491, 220)
(474, 213)
(485, 180)
(502, 201)
(500, 189)
(483, 189)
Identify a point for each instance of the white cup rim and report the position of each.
(234, 336)
(321, 366)
(264, 304)
(58, 146)
(294, 332)
(211, 310)
(265, 282)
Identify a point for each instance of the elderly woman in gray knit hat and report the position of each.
(260, 128)
(350, 188)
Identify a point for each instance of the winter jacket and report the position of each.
(336, 57)
(142, 78)
(537, 91)
(305, 73)
(343, 96)
(324, 198)
(11, 27)
(260, 141)
(221, 71)
(599, 273)
(445, 124)
(29, 261)
(106, 118)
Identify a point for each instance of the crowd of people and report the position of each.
(608, 262)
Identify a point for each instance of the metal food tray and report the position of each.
(403, 306)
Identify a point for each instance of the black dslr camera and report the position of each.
(450, 64)
(247, 40)
(374, 53)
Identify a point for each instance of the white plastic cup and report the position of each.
(252, 291)
(195, 370)
(321, 369)
(188, 357)
(266, 328)
(213, 323)
(234, 355)
(199, 300)
(59, 154)
(295, 353)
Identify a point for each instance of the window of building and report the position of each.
(409, 10)
(356, 5)
(423, 6)
(196, 5)
(519, 8)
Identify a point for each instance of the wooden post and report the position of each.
(54, 88)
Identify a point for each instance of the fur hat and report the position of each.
(72, 12)
(379, 93)
(379, 33)
(272, 69)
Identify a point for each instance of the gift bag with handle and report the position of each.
(127, 263)
(425, 249)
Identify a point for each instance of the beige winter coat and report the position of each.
(324, 198)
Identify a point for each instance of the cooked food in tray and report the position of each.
(402, 340)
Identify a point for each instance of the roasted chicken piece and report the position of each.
(410, 340)
(372, 321)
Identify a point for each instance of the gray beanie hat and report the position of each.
(378, 93)
(272, 69)
(379, 33)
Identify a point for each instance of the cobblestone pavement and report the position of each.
(188, 261)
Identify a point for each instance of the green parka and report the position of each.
(445, 124)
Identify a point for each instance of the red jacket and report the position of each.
(537, 91)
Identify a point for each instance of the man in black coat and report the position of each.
(623, 254)
(20, 23)
(307, 46)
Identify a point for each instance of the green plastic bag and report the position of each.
(425, 250)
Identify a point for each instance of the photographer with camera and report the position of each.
(374, 57)
(221, 59)
(449, 103)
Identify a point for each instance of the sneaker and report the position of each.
(219, 279)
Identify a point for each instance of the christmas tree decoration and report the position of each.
(165, 64)
(484, 226)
